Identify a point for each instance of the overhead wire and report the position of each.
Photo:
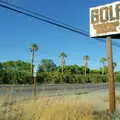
(47, 19)
(40, 15)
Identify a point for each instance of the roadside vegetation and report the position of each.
(22, 72)
(19, 72)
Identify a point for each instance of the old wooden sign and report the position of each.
(105, 20)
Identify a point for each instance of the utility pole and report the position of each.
(111, 80)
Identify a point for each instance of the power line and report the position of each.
(40, 15)
(42, 19)
(65, 26)
(47, 20)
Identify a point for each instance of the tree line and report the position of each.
(21, 72)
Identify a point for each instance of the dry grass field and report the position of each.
(91, 106)
(53, 108)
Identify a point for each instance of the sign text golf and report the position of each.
(105, 20)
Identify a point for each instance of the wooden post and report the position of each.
(35, 83)
(111, 80)
(34, 86)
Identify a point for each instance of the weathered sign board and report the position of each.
(105, 20)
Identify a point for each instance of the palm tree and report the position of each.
(86, 59)
(62, 61)
(33, 49)
(103, 60)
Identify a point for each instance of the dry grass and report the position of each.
(60, 108)
(52, 108)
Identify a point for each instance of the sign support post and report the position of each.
(111, 80)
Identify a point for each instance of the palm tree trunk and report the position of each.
(85, 71)
(86, 66)
(33, 78)
(62, 69)
(33, 55)
(103, 69)
(62, 64)
(34, 86)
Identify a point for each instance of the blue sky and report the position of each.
(18, 32)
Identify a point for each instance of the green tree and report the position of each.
(1, 73)
(1, 66)
(47, 65)
(15, 72)
(103, 60)
(34, 48)
(86, 60)
(16, 66)
(74, 69)
(62, 61)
